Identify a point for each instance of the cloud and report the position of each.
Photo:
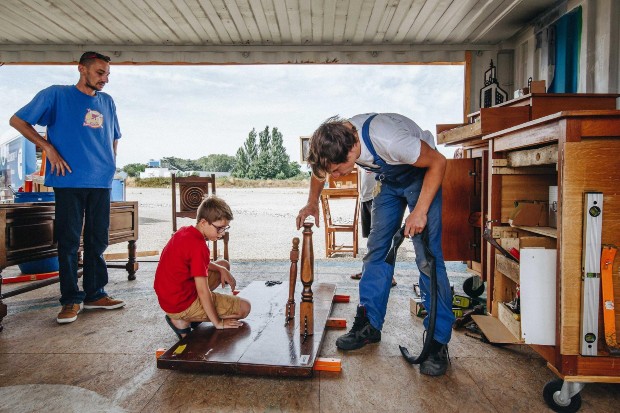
(193, 111)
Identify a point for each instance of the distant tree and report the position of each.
(269, 159)
(246, 156)
(216, 163)
(294, 169)
(279, 158)
(180, 164)
(262, 168)
(250, 147)
(242, 164)
(134, 169)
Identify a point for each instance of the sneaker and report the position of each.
(105, 303)
(361, 333)
(69, 313)
(437, 362)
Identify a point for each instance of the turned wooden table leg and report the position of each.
(131, 266)
(226, 238)
(306, 308)
(290, 304)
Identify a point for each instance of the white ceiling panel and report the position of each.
(247, 31)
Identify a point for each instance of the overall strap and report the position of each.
(366, 137)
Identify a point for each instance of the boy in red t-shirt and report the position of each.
(186, 276)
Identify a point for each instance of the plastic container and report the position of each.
(24, 197)
(118, 190)
(43, 266)
(47, 264)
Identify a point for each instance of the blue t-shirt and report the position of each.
(82, 128)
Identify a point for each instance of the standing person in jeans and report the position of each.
(82, 136)
(367, 187)
(410, 173)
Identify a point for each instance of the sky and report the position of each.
(194, 111)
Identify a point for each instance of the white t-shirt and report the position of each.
(367, 184)
(395, 137)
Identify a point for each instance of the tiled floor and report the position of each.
(105, 361)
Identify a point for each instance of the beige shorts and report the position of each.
(225, 304)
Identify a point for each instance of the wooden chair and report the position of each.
(342, 188)
(192, 190)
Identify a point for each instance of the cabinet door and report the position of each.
(458, 235)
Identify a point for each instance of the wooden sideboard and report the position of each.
(28, 234)
(587, 144)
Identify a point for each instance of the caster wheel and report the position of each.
(551, 392)
(468, 287)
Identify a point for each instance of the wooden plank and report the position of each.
(504, 170)
(544, 104)
(466, 132)
(507, 318)
(333, 322)
(327, 364)
(587, 165)
(546, 231)
(507, 267)
(509, 243)
(494, 330)
(540, 135)
(532, 157)
(439, 128)
(490, 120)
(125, 255)
(264, 345)
(341, 298)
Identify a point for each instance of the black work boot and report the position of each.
(437, 362)
(361, 333)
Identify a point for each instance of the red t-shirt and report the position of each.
(184, 257)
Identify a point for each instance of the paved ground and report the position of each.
(263, 225)
(104, 362)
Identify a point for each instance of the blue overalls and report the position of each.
(400, 187)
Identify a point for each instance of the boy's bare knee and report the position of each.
(223, 263)
(245, 308)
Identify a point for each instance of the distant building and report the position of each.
(155, 173)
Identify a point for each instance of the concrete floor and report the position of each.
(105, 361)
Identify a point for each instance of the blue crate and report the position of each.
(47, 264)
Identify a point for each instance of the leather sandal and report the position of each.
(178, 331)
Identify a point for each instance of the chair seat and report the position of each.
(340, 228)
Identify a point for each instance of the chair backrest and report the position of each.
(327, 215)
(192, 190)
(350, 180)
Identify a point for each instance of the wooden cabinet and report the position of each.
(588, 144)
(472, 139)
(28, 234)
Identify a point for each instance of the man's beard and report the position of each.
(93, 87)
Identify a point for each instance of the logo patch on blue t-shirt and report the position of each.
(93, 119)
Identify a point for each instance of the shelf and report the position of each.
(546, 231)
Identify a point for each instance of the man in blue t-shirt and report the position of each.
(82, 136)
